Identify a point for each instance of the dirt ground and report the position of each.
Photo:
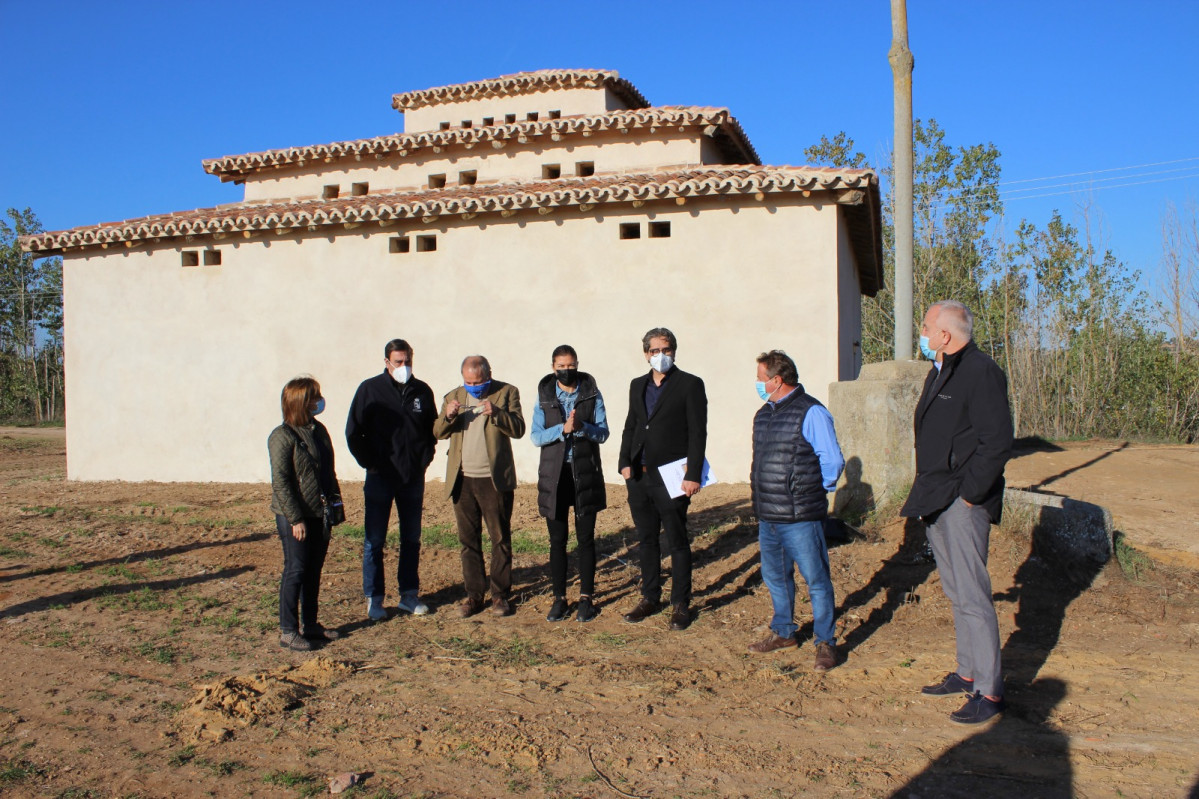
(140, 658)
(1149, 488)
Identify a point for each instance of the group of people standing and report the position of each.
(393, 427)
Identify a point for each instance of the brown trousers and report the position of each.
(477, 502)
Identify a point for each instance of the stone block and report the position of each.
(873, 415)
(1073, 535)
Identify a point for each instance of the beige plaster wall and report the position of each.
(570, 102)
(609, 153)
(174, 373)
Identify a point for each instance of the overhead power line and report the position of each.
(1099, 171)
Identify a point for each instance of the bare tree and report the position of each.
(1180, 276)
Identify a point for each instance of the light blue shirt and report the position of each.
(818, 429)
(596, 430)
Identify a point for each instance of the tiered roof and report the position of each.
(716, 122)
(523, 83)
(856, 189)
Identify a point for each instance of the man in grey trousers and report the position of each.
(964, 436)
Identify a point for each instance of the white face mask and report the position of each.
(400, 374)
(661, 362)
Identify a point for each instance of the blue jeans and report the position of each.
(408, 499)
(785, 546)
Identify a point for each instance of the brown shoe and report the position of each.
(470, 606)
(771, 643)
(500, 606)
(643, 610)
(826, 657)
(680, 617)
(295, 642)
(318, 632)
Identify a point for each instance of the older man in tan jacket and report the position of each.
(480, 418)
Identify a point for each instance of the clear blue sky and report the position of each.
(110, 107)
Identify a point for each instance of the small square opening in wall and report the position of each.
(444, 126)
(190, 258)
(426, 243)
(468, 177)
(532, 116)
(398, 244)
(630, 230)
(330, 192)
(509, 119)
(555, 114)
(585, 169)
(551, 171)
(212, 257)
(436, 181)
(488, 121)
(466, 123)
(359, 189)
(659, 230)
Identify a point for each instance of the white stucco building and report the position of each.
(511, 215)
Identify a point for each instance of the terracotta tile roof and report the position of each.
(522, 83)
(855, 189)
(717, 122)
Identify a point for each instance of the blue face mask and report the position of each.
(477, 391)
(929, 353)
(320, 406)
(762, 392)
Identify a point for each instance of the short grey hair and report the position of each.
(478, 362)
(659, 332)
(958, 321)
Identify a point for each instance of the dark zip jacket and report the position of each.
(390, 427)
(303, 477)
(591, 494)
(963, 435)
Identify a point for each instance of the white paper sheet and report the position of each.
(673, 474)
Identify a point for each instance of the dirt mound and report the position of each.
(248, 700)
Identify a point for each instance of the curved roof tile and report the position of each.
(522, 83)
(722, 124)
(857, 190)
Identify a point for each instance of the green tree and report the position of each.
(31, 321)
(956, 197)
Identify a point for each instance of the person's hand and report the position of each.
(690, 488)
(486, 408)
(627, 472)
(571, 425)
(451, 409)
(298, 531)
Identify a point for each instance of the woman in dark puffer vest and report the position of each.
(303, 489)
(569, 424)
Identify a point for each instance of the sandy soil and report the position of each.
(1149, 488)
(140, 658)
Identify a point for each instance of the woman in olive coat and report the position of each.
(306, 500)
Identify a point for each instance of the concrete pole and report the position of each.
(902, 64)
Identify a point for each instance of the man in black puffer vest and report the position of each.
(569, 424)
(796, 463)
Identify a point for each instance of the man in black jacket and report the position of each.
(964, 435)
(390, 434)
(667, 422)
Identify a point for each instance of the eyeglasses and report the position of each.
(662, 351)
